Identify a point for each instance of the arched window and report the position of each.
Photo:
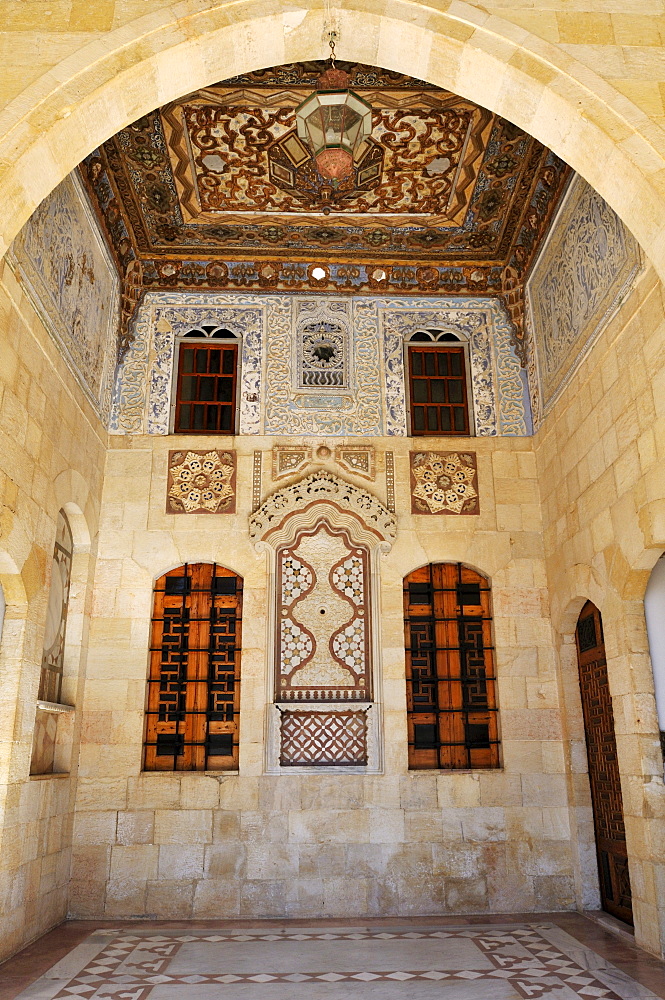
(45, 734)
(451, 698)
(50, 685)
(438, 389)
(194, 675)
(205, 396)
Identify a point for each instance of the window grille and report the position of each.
(194, 676)
(451, 699)
(437, 389)
(206, 387)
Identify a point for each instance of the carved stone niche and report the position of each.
(324, 538)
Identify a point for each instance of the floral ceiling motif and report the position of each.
(215, 191)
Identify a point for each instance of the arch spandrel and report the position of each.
(108, 84)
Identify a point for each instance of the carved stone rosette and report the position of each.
(201, 482)
(444, 482)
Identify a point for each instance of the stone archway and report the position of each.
(105, 85)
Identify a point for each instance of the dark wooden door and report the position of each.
(603, 766)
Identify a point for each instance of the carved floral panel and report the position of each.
(444, 482)
(357, 458)
(323, 640)
(288, 459)
(201, 482)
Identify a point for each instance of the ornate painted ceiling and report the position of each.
(217, 191)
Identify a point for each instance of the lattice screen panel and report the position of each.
(323, 738)
(452, 710)
(194, 678)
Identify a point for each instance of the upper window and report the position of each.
(207, 380)
(451, 701)
(438, 392)
(194, 678)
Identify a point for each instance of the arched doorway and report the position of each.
(604, 776)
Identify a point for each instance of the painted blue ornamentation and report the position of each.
(584, 270)
(356, 387)
(73, 284)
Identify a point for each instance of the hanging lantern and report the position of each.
(333, 122)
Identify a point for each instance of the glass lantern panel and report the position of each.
(315, 130)
(334, 124)
(352, 132)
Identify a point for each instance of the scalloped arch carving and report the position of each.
(323, 496)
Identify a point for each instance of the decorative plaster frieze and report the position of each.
(583, 272)
(366, 518)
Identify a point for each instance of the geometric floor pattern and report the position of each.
(526, 961)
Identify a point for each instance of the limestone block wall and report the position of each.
(256, 844)
(601, 468)
(52, 451)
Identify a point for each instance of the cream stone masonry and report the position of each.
(601, 465)
(575, 513)
(397, 842)
(52, 453)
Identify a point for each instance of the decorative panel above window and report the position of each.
(194, 676)
(451, 698)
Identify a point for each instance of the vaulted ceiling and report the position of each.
(216, 191)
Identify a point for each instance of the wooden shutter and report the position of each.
(194, 678)
(437, 387)
(451, 700)
(206, 390)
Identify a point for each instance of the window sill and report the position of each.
(455, 770)
(205, 774)
(51, 774)
(55, 707)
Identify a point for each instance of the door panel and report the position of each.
(603, 765)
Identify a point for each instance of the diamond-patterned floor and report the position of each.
(512, 961)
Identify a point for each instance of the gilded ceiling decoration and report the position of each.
(217, 191)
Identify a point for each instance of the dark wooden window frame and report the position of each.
(451, 693)
(193, 697)
(427, 341)
(196, 339)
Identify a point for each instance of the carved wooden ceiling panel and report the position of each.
(217, 191)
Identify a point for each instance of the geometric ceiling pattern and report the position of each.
(216, 191)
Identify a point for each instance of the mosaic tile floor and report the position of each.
(434, 962)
